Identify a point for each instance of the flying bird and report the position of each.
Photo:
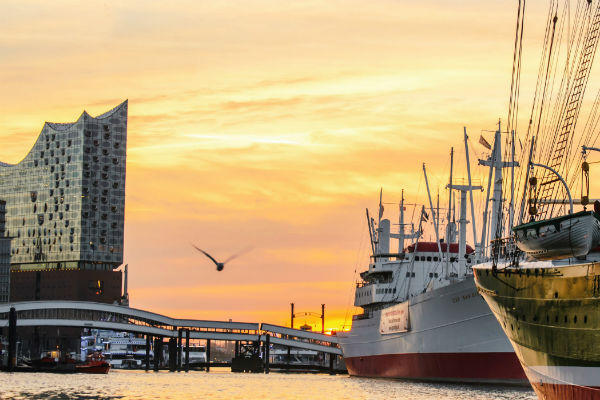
(220, 265)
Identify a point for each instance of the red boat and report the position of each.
(95, 364)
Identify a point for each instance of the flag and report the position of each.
(484, 142)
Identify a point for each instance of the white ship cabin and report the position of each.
(420, 267)
(124, 350)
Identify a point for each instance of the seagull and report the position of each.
(220, 265)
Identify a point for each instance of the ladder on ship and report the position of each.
(566, 126)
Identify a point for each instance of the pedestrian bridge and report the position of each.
(81, 314)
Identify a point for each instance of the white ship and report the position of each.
(422, 316)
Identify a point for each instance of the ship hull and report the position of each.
(453, 337)
(551, 316)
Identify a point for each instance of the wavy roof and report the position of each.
(63, 126)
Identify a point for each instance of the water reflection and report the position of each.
(221, 384)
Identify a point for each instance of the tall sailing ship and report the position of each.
(543, 283)
(421, 315)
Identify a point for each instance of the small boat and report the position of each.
(53, 361)
(572, 235)
(95, 364)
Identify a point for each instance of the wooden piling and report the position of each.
(157, 352)
(147, 357)
(187, 350)
(172, 354)
(207, 355)
(267, 352)
(179, 343)
(12, 339)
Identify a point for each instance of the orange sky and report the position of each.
(261, 123)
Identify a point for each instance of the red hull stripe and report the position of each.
(552, 391)
(443, 366)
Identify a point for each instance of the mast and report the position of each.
(401, 231)
(511, 207)
(522, 210)
(471, 194)
(462, 244)
(370, 233)
(449, 224)
(497, 197)
(437, 234)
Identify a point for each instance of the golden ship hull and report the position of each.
(551, 316)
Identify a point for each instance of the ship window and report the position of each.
(394, 290)
(435, 274)
(435, 259)
(556, 319)
(431, 274)
(566, 319)
(585, 319)
(408, 274)
(575, 319)
(429, 258)
(556, 295)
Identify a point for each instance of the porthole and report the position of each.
(585, 319)
(575, 319)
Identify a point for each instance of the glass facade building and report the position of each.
(65, 201)
(4, 257)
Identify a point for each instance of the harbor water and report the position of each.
(221, 384)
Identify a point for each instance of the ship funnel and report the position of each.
(383, 236)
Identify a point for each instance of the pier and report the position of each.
(252, 340)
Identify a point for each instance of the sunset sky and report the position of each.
(269, 124)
